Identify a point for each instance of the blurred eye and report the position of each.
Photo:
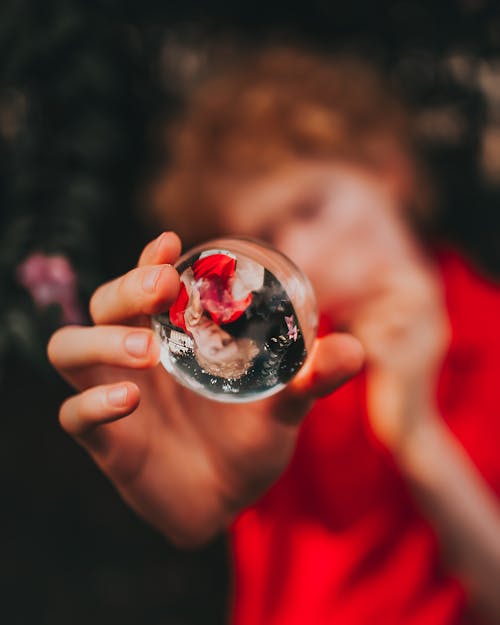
(266, 234)
(307, 209)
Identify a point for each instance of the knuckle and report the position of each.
(125, 282)
(101, 399)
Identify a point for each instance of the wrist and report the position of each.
(421, 453)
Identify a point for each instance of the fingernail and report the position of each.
(137, 344)
(117, 396)
(159, 241)
(150, 279)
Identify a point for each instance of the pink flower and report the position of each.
(51, 280)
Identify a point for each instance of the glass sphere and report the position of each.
(242, 324)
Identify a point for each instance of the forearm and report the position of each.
(188, 522)
(459, 505)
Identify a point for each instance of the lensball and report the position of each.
(243, 322)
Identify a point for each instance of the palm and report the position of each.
(175, 434)
(180, 460)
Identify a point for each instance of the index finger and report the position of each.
(146, 290)
(165, 249)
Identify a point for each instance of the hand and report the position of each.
(405, 332)
(185, 463)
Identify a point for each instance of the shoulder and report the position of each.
(460, 270)
(472, 298)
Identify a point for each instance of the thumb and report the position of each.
(333, 360)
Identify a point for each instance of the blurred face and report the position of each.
(342, 225)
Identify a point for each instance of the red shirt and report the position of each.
(338, 539)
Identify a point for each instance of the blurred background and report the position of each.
(84, 88)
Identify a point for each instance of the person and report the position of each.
(379, 504)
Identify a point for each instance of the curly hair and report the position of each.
(270, 107)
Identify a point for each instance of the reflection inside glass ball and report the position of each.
(242, 324)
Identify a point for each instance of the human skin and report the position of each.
(188, 465)
(185, 463)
